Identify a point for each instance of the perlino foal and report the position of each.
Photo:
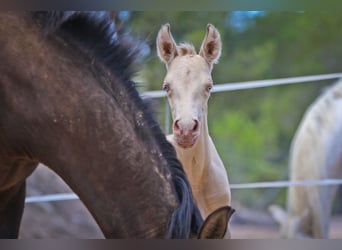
(188, 83)
(316, 154)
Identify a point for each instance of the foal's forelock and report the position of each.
(186, 49)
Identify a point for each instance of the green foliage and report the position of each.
(246, 146)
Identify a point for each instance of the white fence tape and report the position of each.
(254, 84)
(282, 184)
(272, 184)
(51, 197)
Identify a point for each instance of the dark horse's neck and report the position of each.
(65, 89)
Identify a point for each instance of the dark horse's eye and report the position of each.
(166, 87)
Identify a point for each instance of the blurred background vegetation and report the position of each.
(252, 129)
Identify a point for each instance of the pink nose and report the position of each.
(185, 129)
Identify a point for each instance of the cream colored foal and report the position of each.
(188, 83)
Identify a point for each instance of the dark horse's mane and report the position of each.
(97, 35)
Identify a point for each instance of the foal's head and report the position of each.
(188, 81)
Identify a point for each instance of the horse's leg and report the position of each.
(12, 194)
(322, 222)
(11, 210)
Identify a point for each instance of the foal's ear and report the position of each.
(215, 225)
(211, 46)
(166, 46)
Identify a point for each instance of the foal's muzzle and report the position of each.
(186, 132)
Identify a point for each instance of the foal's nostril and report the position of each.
(176, 127)
(196, 126)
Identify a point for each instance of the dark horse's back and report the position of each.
(67, 101)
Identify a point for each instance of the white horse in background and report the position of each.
(188, 83)
(316, 154)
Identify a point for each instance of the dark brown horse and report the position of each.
(66, 100)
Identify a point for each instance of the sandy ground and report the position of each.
(70, 219)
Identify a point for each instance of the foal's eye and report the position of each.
(208, 87)
(166, 87)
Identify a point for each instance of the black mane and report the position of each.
(96, 33)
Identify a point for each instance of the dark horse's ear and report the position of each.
(215, 225)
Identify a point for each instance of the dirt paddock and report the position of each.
(70, 219)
